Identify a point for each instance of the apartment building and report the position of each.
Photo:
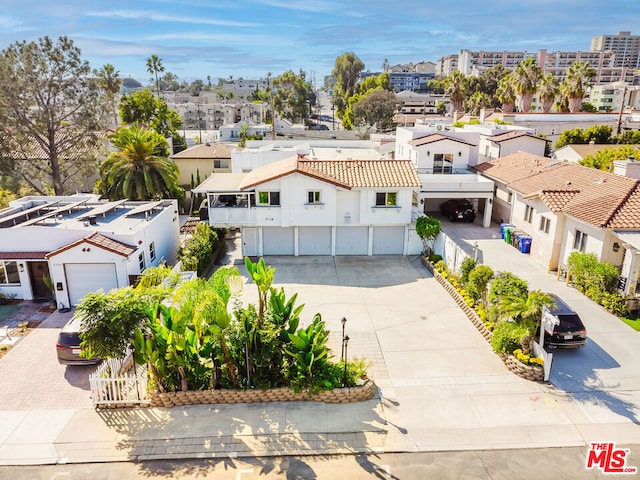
(625, 46)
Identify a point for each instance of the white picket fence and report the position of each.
(119, 382)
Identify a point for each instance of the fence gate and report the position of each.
(119, 382)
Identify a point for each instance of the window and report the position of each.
(152, 251)
(313, 196)
(9, 273)
(528, 214)
(442, 163)
(269, 198)
(510, 198)
(545, 224)
(580, 241)
(386, 199)
(221, 164)
(141, 261)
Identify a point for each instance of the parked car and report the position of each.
(569, 332)
(68, 346)
(458, 209)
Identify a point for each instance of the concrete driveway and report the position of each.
(442, 386)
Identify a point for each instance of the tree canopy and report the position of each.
(375, 110)
(346, 72)
(293, 95)
(52, 112)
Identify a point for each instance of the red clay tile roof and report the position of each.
(515, 166)
(22, 255)
(343, 173)
(98, 240)
(555, 200)
(628, 216)
(437, 137)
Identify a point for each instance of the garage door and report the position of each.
(83, 278)
(277, 240)
(314, 241)
(388, 240)
(352, 240)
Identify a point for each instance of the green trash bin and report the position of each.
(507, 234)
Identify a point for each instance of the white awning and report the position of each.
(629, 239)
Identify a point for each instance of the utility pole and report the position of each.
(624, 94)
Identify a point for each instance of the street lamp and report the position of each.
(345, 342)
(343, 321)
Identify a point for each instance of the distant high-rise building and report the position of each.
(625, 46)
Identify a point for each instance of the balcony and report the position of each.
(442, 185)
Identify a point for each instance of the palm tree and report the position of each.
(506, 94)
(575, 85)
(548, 90)
(109, 80)
(154, 66)
(526, 310)
(477, 102)
(140, 169)
(525, 80)
(456, 85)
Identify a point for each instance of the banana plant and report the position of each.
(285, 314)
(263, 277)
(308, 348)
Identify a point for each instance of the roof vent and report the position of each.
(568, 182)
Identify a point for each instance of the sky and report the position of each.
(250, 38)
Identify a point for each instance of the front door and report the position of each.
(38, 271)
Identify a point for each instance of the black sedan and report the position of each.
(458, 209)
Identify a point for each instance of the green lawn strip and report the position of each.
(6, 311)
(632, 322)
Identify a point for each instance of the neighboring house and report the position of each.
(576, 152)
(300, 206)
(566, 207)
(205, 159)
(78, 244)
(506, 143)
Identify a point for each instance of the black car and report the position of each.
(569, 331)
(68, 346)
(458, 209)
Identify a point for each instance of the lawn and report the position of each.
(632, 322)
(6, 311)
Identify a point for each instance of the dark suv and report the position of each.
(569, 332)
(458, 209)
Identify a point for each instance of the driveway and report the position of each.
(32, 378)
(602, 379)
(442, 387)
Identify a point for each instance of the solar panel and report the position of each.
(23, 213)
(54, 212)
(144, 208)
(102, 209)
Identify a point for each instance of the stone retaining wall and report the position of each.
(338, 395)
(529, 372)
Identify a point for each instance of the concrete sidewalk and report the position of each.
(441, 387)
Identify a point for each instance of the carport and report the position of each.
(439, 188)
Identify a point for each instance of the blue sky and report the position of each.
(248, 38)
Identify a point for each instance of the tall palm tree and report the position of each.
(109, 80)
(456, 85)
(477, 102)
(506, 94)
(154, 66)
(548, 90)
(140, 169)
(525, 80)
(576, 84)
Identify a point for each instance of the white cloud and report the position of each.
(158, 17)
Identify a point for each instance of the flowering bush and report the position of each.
(527, 359)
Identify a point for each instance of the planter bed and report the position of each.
(198, 397)
(529, 372)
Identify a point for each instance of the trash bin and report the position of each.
(507, 233)
(525, 243)
(503, 229)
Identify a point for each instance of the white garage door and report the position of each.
(83, 278)
(352, 240)
(314, 241)
(388, 240)
(277, 240)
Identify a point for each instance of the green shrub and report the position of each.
(435, 258)
(478, 280)
(507, 336)
(615, 303)
(588, 274)
(441, 267)
(507, 284)
(466, 266)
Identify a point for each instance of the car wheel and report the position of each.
(452, 218)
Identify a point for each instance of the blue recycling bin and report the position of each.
(525, 243)
(503, 229)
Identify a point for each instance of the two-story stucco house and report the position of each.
(300, 206)
(78, 244)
